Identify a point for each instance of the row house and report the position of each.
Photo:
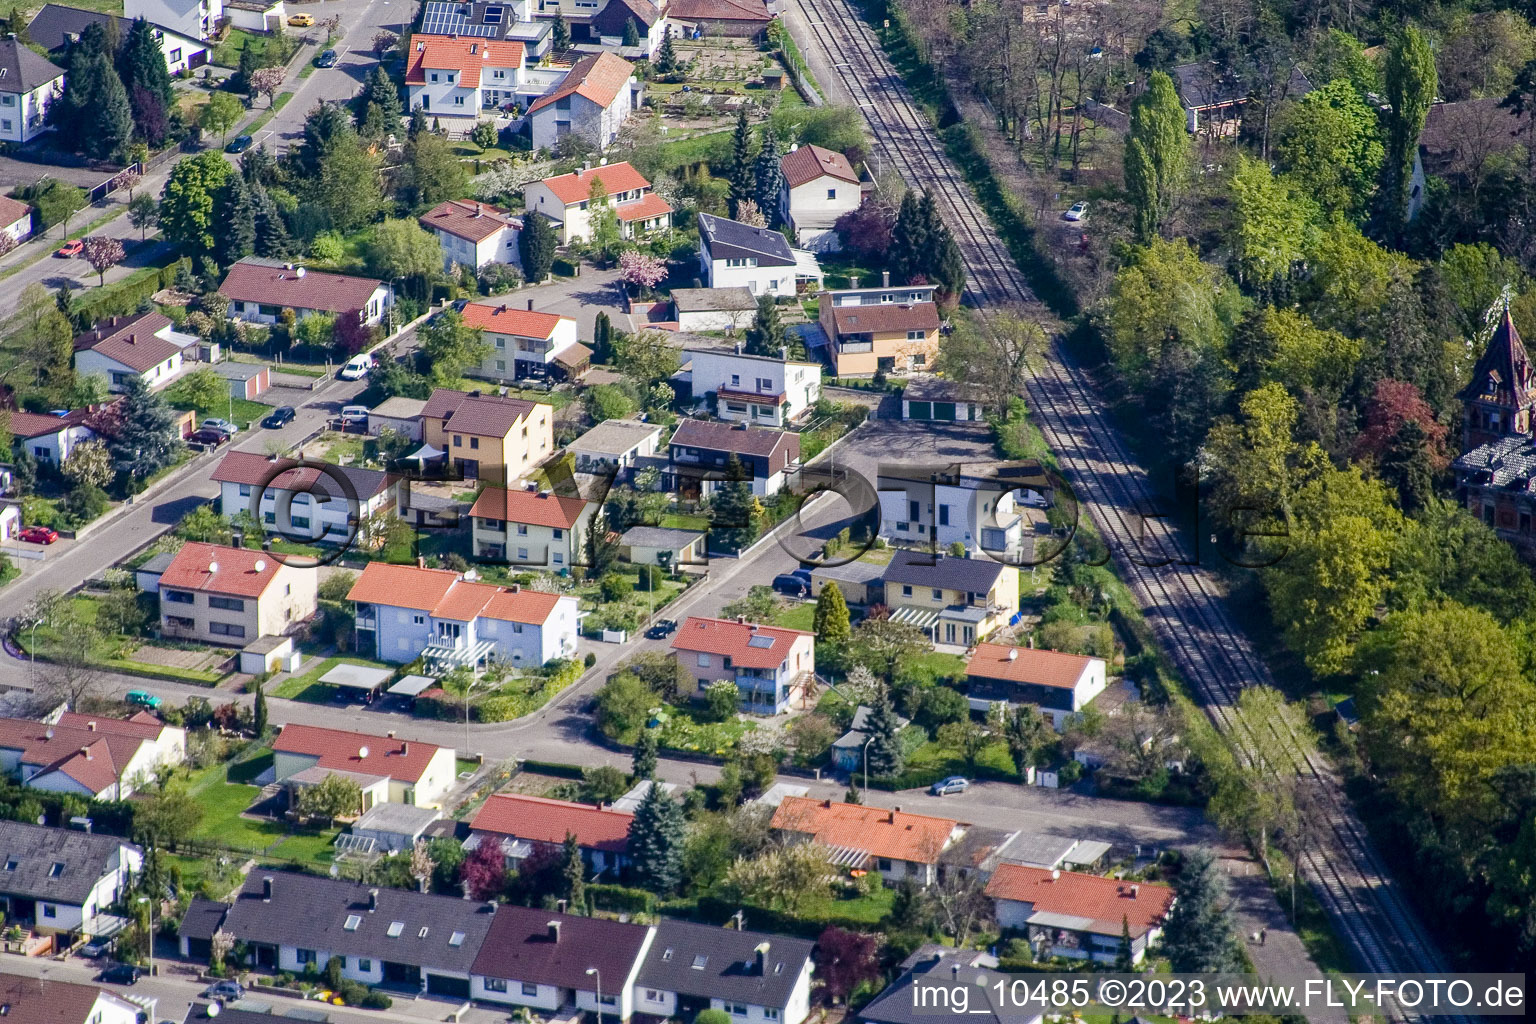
(773, 669)
(530, 527)
(526, 345)
(955, 601)
(773, 391)
(89, 755)
(566, 200)
(60, 880)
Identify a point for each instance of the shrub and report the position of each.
(376, 1000)
(500, 708)
(589, 660)
(621, 899)
(614, 587)
(651, 577)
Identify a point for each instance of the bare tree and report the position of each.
(961, 902)
(71, 675)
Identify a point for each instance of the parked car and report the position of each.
(39, 534)
(92, 950)
(70, 249)
(226, 989)
(1078, 211)
(795, 584)
(239, 144)
(208, 438)
(223, 426)
(326, 59)
(279, 417)
(352, 415)
(357, 367)
(121, 974)
(143, 698)
(301, 20)
(661, 629)
(953, 784)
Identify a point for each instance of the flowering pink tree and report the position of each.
(128, 179)
(103, 254)
(641, 270)
(7, 242)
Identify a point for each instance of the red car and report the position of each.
(71, 248)
(39, 535)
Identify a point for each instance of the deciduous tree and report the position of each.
(103, 253)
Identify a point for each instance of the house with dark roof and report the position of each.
(610, 24)
(530, 527)
(737, 19)
(223, 595)
(566, 200)
(737, 255)
(1214, 96)
(528, 825)
(305, 501)
(956, 601)
(89, 755)
(45, 1001)
(50, 437)
(29, 85)
(1060, 685)
(591, 102)
(1498, 460)
(550, 961)
(492, 438)
(820, 185)
(387, 769)
(526, 344)
(1078, 916)
(122, 347)
(473, 233)
(898, 335)
(934, 965)
(259, 290)
(701, 452)
(755, 977)
(772, 668)
(58, 880)
(57, 26)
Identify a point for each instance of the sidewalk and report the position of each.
(1257, 910)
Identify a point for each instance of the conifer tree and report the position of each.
(883, 753)
(742, 177)
(140, 63)
(631, 33)
(561, 33)
(1198, 937)
(602, 339)
(666, 56)
(573, 872)
(272, 240)
(1125, 957)
(909, 241)
(656, 837)
(769, 176)
(536, 247)
(235, 215)
(645, 754)
(766, 335)
(831, 621)
(148, 439)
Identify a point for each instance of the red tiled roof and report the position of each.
(464, 55)
(599, 79)
(886, 318)
(879, 832)
(12, 210)
(443, 594)
(538, 819)
(1107, 902)
(38, 424)
(733, 639)
(267, 472)
(256, 281)
(61, 748)
(576, 187)
(1025, 665)
(647, 206)
(718, 10)
(503, 319)
(466, 219)
(533, 508)
(240, 571)
(402, 586)
(130, 340)
(811, 162)
(339, 750)
(142, 725)
(486, 415)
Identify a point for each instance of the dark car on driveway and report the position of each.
(121, 974)
(239, 144)
(661, 629)
(279, 417)
(795, 584)
(208, 438)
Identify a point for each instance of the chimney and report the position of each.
(891, 817)
(490, 906)
(132, 339)
(897, 808)
(421, 561)
(390, 734)
(783, 351)
(530, 305)
(560, 905)
(827, 804)
(272, 456)
(738, 348)
(405, 748)
(1055, 874)
(885, 278)
(554, 931)
(853, 280)
(501, 308)
(87, 752)
(90, 726)
(516, 588)
(266, 889)
(761, 953)
(741, 620)
(1135, 890)
(478, 212)
(373, 900)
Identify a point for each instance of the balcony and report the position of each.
(855, 346)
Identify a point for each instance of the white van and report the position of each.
(352, 415)
(356, 368)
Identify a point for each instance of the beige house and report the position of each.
(530, 527)
(227, 595)
(488, 437)
(387, 770)
(954, 600)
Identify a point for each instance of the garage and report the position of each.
(919, 410)
(441, 985)
(944, 411)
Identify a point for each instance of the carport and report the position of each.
(359, 681)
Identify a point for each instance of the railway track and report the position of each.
(1182, 602)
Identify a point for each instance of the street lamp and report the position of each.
(865, 751)
(599, 974)
(150, 957)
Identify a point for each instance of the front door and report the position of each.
(469, 469)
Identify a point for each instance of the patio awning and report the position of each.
(104, 926)
(412, 686)
(847, 856)
(513, 849)
(922, 618)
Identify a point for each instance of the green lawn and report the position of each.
(342, 449)
(461, 766)
(933, 666)
(308, 687)
(224, 801)
(869, 909)
(797, 616)
(227, 53)
(932, 756)
(681, 521)
(244, 413)
(104, 653)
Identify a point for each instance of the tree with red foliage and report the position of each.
(866, 232)
(844, 961)
(484, 871)
(1395, 403)
(351, 334)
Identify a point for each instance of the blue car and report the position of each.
(144, 699)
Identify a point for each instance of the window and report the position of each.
(831, 193)
(49, 910)
(176, 596)
(916, 335)
(530, 989)
(559, 533)
(559, 558)
(884, 863)
(906, 590)
(522, 529)
(434, 76)
(365, 965)
(770, 1013)
(703, 661)
(353, 920)
(304, 956)
(422, 934)
(226, 629)
(700, 961)
(735, 380)
(764, 384)
(10, 865)
(395, 928)
(245, 490)
(229, 604)
(458, 101)
(943, 515)
(418, 620)
(56, 870)
(495, 984)
(736, 1009)
(653, 995)
(938, 595)
(175, 55)
(458, 440)
(522, 554)
(474, 442)
(667, 955)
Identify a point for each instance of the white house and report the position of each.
(302, 501)
(820, 185)
(259, 290)
(90, 756)
(530, 527)
(256, 15)
(56, 27)
(46, 1001)
(405, 612)
(121, 347)
(733, 254)
(592, 101)
(525, 343)
(1059, 684)
(614, 446)
(196, 19)
(773, 669)
(755, 977)
(565, 199)
(980, 505)
(59, 880)
(28, 86)
(50, 437)
(769, 390)
(473, 234)
(452, 76)
(15, 219)
(1078, 916)
(397, 771)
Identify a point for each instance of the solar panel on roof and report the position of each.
(760, 641)
(395, 928)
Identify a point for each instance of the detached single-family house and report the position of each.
(303, 501)
(773, 391)
(663, 546)
(614, 446)
(566, 200)
(591, 102)
(1213, 96)
(1079, 916)
(774, 669)
(405, 612)
(57, 880)
(259, 290)
(463, 76)
(28, 87)
(820, 185)
(389, 770)
(530, 527)
(701, 452)
(223, 595)
(45, 1001)
(488, 437)
(954, 600)
(121, 347)
(756, 978)
(473, 234)
(525, 824)
(490, 19)
(933, 966)
(194, 19)
(733, 254)
(56, 27)
(885, 338)
(980, 505)
(91, 756)
(50, 438)
(897, 844)
(736, 19)
(1060, 685)
(526, 344)
(548, 961)
(611, 23)
(15, 219)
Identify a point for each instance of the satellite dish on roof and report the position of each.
(214, 1007)
(335, 871)
(213, 567)
(261, 565)
(362, 752)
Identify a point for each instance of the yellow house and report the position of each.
(954, 600)
(225, 595)
(488, 437)
(893, 337)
